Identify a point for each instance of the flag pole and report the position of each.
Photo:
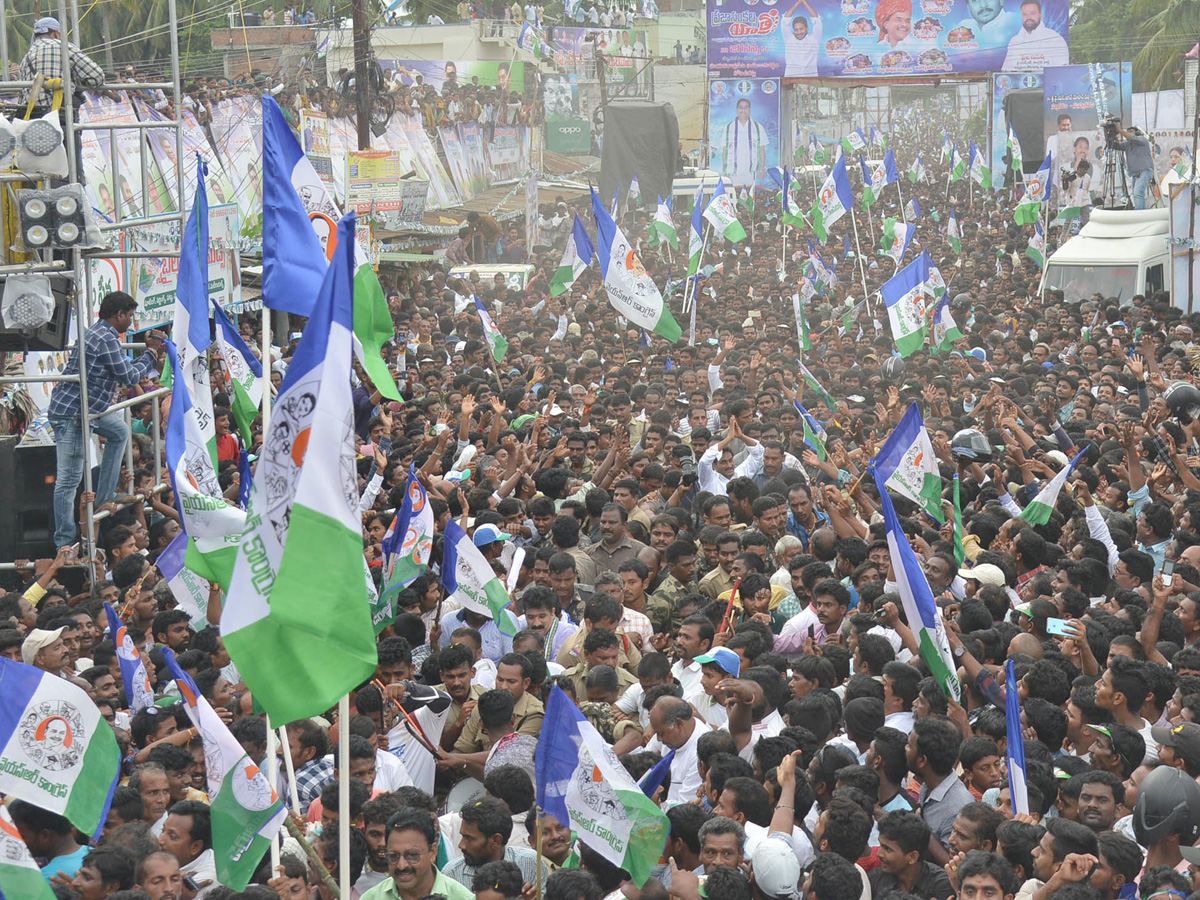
(900, 195)
(537, 812)
(344, 795)
(700, 261)
(293, 792)
(273, 777)
(862, 266)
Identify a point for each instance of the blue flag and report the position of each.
(655, 776)
(912, 209)
(192, 288)
(294, 262)
(138, 693)
(889, 167)
(245, 479)
(1016, 743)
(581, 783)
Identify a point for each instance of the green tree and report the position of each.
(1154, 37)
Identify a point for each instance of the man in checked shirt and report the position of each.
(108, 368)
(45, 58)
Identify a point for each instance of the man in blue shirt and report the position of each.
(108, 368)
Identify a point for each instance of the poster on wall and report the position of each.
(743, 128)
(1002, 84)
(1172, 152)
(830, 38)
(314, 135)
(508, 76)
(154, 281)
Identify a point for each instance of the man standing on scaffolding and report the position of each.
(45, 58)
(108, 368)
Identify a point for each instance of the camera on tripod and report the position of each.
(1111, 124)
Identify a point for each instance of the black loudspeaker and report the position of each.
(639, 137)
(1023, 109)
(52, 335)
(26, 501)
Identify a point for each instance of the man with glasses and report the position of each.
(411, 852)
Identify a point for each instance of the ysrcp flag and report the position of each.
(721, 215)
(906, 463)
(300, 629)
(630, 289)
(980, 173)
(20, 877)
(663, 225)
(56, 750)
(1037, 191)
(213, 527)
(138, 693)
(496, 341)
(945, 329)
(469, 577)
(833, 202)
(921, 610)
(904, 294)
(581, 783)
(1018, 787)
(245, 375)
(246, 812)
(1036, 249)
(576, 258)
(896, 238)
(406, 546)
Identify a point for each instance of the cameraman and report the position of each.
(1139, 158)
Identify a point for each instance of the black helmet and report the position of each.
(961, 301)
(1183, 399)
(892, 369)
(970, 445)
(1168, 802)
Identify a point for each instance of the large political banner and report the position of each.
(743, 129)
(625, 52)
(1077, 100)
(863, 38)
(506, 75)
(1002, 84)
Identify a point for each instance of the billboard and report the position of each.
(863, 38)
(1076, 100)
(506, 75)
(743, 130)
(626, 52)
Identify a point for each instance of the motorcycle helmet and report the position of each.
(1168, 802)
(1183, 399)
(892, 369)
(970, 445)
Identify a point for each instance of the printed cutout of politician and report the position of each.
(1036, 45)
(744, 148)
(802, 40)
(894, 18)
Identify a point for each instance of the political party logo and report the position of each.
(52, 735)
(594, 792)
(251, 789)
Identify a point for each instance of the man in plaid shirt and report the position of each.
(108, 368)
(45, 58)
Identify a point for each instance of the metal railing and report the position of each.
(72, 264)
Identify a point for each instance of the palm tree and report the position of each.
(1168, 35)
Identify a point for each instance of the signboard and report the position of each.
(830, 38)
(1077, 100)
(314, 136)
(373, 182)
(412, 202)
(154, 280)
(572, 137)
(743, 128)
(1185, 253)
(531, 212)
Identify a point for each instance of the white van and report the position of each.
(1118, 253)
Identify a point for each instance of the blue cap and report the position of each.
(979, 353)
(723, 657)
(488, 534)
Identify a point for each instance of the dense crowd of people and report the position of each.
(698, 576)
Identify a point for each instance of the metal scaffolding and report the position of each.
(73, 264)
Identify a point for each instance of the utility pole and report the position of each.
(362, 50)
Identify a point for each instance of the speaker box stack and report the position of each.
(26, 501)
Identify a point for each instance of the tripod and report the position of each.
(1114, 187)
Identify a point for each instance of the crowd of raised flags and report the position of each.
(303, 532)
